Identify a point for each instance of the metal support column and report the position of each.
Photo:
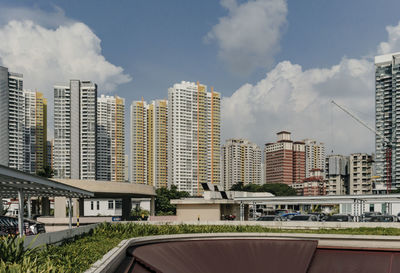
(254, 210)
(241, 211)
(20, 212)
(70, 212)
(28, 207)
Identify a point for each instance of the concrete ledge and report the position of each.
(57, 237)
(287, 224)
(111, 260)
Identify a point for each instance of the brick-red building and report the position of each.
(285, 160)
(311, 186)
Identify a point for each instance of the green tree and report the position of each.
(164, 196)
(237, 187)
(46, 172)
(277, 189)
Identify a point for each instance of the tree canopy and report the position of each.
(164, 195)
(277, 189)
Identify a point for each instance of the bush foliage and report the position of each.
(78, 254)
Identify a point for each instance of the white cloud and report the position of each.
(49, 48)
(297, 100)
(393, 43)
(248, 37)
(47, 56)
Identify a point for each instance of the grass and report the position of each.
(78, 254)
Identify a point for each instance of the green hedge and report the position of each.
(78, 254)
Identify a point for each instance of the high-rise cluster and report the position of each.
(89, 136)
(23, 125)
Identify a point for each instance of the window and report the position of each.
(98, 205)
(110, 204)
(118, 204)
(91, 205)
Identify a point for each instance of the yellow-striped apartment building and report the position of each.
(110, 139)
(35, 132)
(149, 140)
(193, 136)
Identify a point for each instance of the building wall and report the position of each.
(149, 140)
(35, 133)
(75, 118)
(337, 175)
(315, 155)
(16, 119)
(284, 160)
(4, 130)
(88, 133)
(110, 139)
(138, 142)
(191, 212)
(193, 136)
(387, 118)
(240, 162)
(360, 174)
(102, 207)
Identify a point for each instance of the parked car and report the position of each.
(366, 217)
(306, 217)
(383, 218)
(288, 216)
(269, 218)
(339, 218)
(321, 216)
(9, 225)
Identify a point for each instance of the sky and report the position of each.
(277, 63)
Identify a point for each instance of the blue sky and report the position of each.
(158, 43)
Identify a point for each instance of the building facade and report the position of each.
(149, 140)
(75, 119)
(110, 138)
(193, 136)
(284, 160)
(315, 156)
(387, 118)
(12, 120)
(337, 174)
(23, 124)
(240, 162)
(35, 133)
(360, 166)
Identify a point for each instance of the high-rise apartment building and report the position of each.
(50, 145)
(12, 119)
(285, 160)
(387, 117)
(23, 124)
(75, 118)
(360, 167)
(149, 140)
(35, 135)
(315, 156)
(337, 174)
(240, 162)
(193, 136)
(4, 95)
(110, 138)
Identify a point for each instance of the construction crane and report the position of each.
(388, 143)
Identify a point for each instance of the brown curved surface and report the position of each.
(355, 261)
(256, 255)
(240, 255)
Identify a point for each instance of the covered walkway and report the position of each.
(17, 184)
